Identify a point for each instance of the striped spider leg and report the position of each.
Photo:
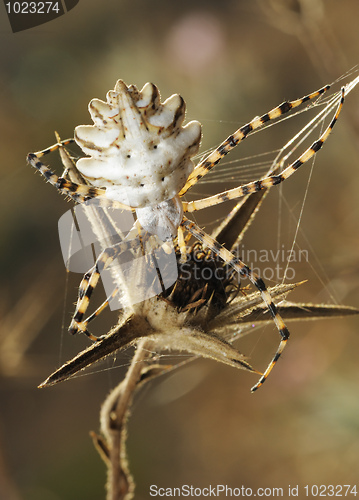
(109, 254)
(140, 159)
(252, 187)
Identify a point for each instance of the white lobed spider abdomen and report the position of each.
(139, 151)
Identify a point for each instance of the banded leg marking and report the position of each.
(101, 307)
(54, 147)
(78, 192)
(89, 283)
(213, 158)
(270, 181)
(244, 270)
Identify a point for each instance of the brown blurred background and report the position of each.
(230, 60)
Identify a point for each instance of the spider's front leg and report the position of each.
(78, 192)
(237, 137)
(58, 145)
(245, 271)
(272, 180)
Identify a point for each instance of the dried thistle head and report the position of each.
(203, 312)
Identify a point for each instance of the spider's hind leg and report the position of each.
(89, 283)
(245, 271)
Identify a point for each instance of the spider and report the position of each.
(139, 158)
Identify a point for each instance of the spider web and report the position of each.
(257, 165)
(232, 172)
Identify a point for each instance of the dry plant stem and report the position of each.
(116, 408)
(114, 414)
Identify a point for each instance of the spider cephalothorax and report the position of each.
(140, 152)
